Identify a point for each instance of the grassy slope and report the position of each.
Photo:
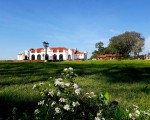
(128, 82)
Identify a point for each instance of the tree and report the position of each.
(94, 54)
(46, 44)
(100, 50)
(99, 45)
(127, 42)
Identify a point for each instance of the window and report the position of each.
(61, 57)
(33, 57)
(69, 57)
(54, 57)
(46, 57)
(38, 57)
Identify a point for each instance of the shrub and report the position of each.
(65, 100)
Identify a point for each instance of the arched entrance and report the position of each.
(33, 57)
(61, 57)
(69, 57)
(38, 57)
(46, 57)
(25, 57)
(54, 57)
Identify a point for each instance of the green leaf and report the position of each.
(106, 95)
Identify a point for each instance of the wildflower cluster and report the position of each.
(135, 113)
(65, 100)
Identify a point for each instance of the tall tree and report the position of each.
(46, 44)
(127, 42)
(100, 50)
(100, 47)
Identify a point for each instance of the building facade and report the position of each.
(147, 56)
(54, 54)
(110, 56)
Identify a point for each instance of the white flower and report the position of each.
(37, 118)
(103, 119)
(77, 103)
(92, 93)
(36, 111)
(51, 93)
(62, 100)
(135, 107)
(34, 86)
(53, 103)
(74, 104)
(62, 84)
(58, 93)
(98, 114)
(130, 115)
(57, 110)
(75, 86)
(65, 69)
(70, 68)
(57, 82)
(41, 83)
(67, 84)
(127, 110)
(77, 91)
(67, 107)
(97, 118)
(60, 79)
(41, 102)
(137, 112)
(146, 113)
(14, 110)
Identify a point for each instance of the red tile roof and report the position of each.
(32, 51)
(60, 49)
(77, 52)
(39, 50)
(55, 49)
(110, 55)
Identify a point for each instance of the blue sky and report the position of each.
(25, 24)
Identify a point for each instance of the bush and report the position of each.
(65, 100)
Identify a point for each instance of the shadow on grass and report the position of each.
(115, 74)
(7, 104)
(128, 74)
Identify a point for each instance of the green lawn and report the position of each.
(127, 81)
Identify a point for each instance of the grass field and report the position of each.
(127, 81)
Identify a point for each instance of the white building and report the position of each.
(55, 53)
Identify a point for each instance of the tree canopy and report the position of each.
(126, 43)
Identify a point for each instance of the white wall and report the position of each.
(50, 53)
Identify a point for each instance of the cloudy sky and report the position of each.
(25, 24)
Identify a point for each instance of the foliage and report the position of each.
(127, 42)
(100, 50)
(127, 82)
(100, 47)
(67, 101)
